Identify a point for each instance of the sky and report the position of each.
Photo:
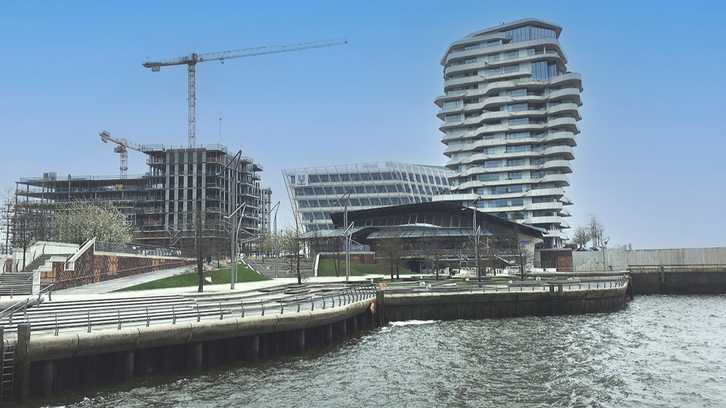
(649, 161)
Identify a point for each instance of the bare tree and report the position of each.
(597, 233)
(391, 250)
(581, 237)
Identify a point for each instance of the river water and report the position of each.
(661, 351)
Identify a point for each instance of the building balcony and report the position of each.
(572, 80)
(458, 54)
(543, 192)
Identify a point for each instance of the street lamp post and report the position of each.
(232, 191)
(233, 266)
(477, 231)
(274, 236)
(346, 242)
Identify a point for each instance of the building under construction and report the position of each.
(163, 204)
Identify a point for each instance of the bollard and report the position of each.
(89, 321)
(221, 313)
(173, 315)
(323, 302)
(56, 325)
(282, 308)
(199, 317)
(262, 304)
(242, 307)
(298, 307)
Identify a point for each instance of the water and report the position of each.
(662, 351)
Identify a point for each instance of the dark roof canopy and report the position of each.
(447, 207)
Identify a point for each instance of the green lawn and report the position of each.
(327, 268)
(244, 274)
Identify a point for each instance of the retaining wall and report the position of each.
(92, 266)
(621, 259)
(470, 305)
(675, 282)
(48, 364)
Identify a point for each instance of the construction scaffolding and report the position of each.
(161, 205)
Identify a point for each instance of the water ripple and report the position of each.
(661, 351)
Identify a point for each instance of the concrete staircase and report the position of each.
(286, 267)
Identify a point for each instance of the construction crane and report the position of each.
(122, 148)
(191, 62)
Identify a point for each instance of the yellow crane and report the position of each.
(192, 60)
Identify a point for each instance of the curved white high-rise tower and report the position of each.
(510, 113)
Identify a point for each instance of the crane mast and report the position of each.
(191, 62)
(122, 148)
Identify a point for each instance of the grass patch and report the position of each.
(326, 267)
(218, 276)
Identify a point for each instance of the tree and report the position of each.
(83, 220)
(581, 237)
(597, 233)
(391, 250)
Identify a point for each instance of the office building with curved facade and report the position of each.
(316, 192)
(510, 110)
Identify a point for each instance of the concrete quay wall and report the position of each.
(678, 282)
(47, 364)
(477, 305)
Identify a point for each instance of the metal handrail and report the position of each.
(218, 309)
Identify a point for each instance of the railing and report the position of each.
(173, 310)
(677, 268)
(136, 249)
(514, 286)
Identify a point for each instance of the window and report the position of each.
(344, 177)
(453, 118)
(518, 92)
(324, 178)
(519, 107)
(515, 175)
(355, 177)
(489, 177)
(313, 178)
(492, 163)
(518, 121)
(517, 202)
(452, 104)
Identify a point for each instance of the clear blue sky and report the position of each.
(649, 161)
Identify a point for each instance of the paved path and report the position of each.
(125, 282)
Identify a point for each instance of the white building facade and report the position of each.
(316, 192)
(510, 110)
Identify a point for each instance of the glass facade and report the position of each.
(315, 193)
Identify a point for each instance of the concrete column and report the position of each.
(343, 328)
(22, 363)
(167, 359)
(88, 372)
(354, 324)
(380, 309)
(300, 341)
(195, 356)
(127, 361)
(47, 377)
(328, 334)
